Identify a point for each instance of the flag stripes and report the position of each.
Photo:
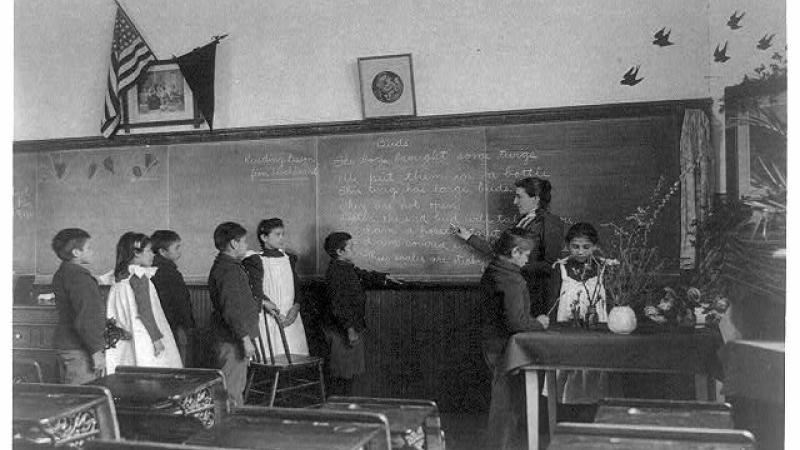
(130, 55)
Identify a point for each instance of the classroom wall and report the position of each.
(294, 61)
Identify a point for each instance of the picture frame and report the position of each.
(387, 86)
(160, 97)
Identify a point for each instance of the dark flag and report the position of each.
(197, 68)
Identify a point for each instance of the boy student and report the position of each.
(345, 322)
(172, 290)
(235, 313)
(81, 309)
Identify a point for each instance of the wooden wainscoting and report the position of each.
(423, 340)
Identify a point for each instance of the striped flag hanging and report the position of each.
(130, 55)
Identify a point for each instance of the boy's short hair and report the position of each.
(162, 239)
(336, 241)
(582, 229)
(513, 238)
(67, 240)
(226, 232)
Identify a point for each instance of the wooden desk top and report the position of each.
(563, 442)
(275, 433)
(401, 417)
(153, 390)
(37, 406)
(672, 417)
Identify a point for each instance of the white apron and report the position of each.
(572, 289)
(278, 286)
(138, 351)
(581, 386)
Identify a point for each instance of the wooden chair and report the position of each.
(669, 413)
(26, 370)
(601, 436)
(269, 369)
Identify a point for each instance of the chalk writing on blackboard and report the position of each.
(280, 166)
(23, 203)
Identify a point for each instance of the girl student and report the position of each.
(133, 302)
(582, 298)
(273, 280)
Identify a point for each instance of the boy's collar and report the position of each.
(78, 265)
(159, 260)
(225, 256)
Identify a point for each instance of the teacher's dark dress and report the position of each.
(544, 282)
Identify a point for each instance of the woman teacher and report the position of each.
(532, 198)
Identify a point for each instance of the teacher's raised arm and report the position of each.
(532, 199)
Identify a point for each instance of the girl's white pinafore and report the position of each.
(278, 286)
(581, 386)
(138, 351)
(572, 289)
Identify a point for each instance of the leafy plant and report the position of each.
(635, 276)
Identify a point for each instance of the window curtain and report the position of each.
(696, 166)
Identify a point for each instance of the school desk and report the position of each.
(668, 413)
(649, 349)
(413, 424)
(295, 428)
(593, 436)
(163, 404)
(62, 415)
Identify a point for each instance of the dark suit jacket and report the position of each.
(173, 293)
(544, 282)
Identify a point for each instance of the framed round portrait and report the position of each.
(387, 86)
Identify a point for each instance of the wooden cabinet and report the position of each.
(33, 338)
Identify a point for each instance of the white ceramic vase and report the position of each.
(622, 320)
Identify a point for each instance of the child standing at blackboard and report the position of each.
(345, 323)
(133, 302)
(583, 298)
(81, 309)
(234, 317)
(171, 287)
(273, 280)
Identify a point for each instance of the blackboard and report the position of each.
(24, 223)
(395, 190)
(600, 170)
(243, 182)
(105, 192)
(398, 193)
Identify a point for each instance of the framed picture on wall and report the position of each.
(387, 86)
(160, 97)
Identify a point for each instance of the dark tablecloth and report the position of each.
(657, 349)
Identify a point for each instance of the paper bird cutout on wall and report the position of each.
(662, 38)
(733, 22)
(108, 163)
(765, 42)
(719, 54)
(629, 79)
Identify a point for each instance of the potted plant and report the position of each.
(637, 265)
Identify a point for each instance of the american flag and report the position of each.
(130, 55)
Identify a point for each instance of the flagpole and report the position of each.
(134, 27)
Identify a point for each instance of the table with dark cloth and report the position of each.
(648, 349)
